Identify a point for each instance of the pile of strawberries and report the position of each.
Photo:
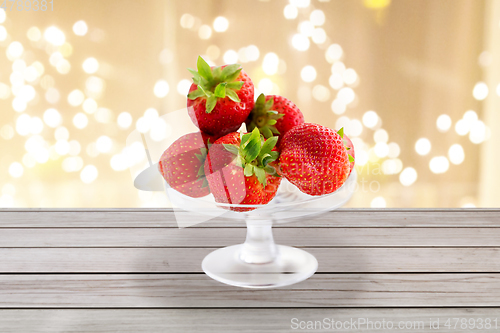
(246, 169)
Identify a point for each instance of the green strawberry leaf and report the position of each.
(271, 122)
(266, 132)
(271, 170)
(231, 148)
(275, 130)
(196, 94)
(261, 175)
(211, 102)
(248, 171)
(252, 147)
(341, 133)
(232, 95)
(351, 159)
(273, 112)
(204, 69)
(268, 146)
(269, 103)
(233, 76)
(196, 76)
(244, 139)
(220, 90)
(348, 148)
(236, 85)
(216, 72)
(228, 71)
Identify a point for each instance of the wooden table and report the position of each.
(135, 271)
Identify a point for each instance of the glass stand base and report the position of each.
(229, 265)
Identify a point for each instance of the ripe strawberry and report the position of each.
(314, 159)
(239, 170)
(274, 115)
(350, 150)
(220, 98)
(181, 165)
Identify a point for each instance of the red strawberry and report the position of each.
(274, 115)
(239, 171)
(181, 165)
(314, 159)
(350, 150)
(220, 98)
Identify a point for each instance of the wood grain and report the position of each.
(116, 218)
(188, 260)
(215, 237)
(229, 320)
(199, 291)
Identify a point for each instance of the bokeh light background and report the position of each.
(414, 83)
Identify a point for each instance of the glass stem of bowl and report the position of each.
(259, 246)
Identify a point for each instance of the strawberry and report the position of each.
(181, 165)
(314, 159)
(220, 98)
(350, 150)
(239, 169)
(274, 115)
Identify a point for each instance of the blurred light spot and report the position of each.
(90, 65)
(338, 107)
(47, 82)
(378, 202)
(80, 120)
(30, 74)
(17, 79)
(34, 34)
(300, 3)
(80, 28)
(16, 170)
(423, 146)
(336, 81)
(381, 135)
(4, 91)
(317, 17)
(392, 166)
(370, 119)
(333, 53)
(381, 149)
(213, 52)
(346, 95)
(376, 4)
(221, 24)
(103, 115)
(300, 42)
(142, 125)
(74, 147)
(52, 95)
(161, 88)
(462, 127)
(36, 125)
(321, 93)
(104, 144)
(90, 105)
(361, 157)
(63, 66)
(34, 143)
(230, 57)
(94, 85)
(76, 97)
(468, 205)
(485, 59)
(265, 86)
(338, 67)
(7, 132)
(160, 130)
(89, 174)
(18, 65)
(355, 128)
(29, 160)
(470, 116)
(394, 150)
(290, 12)
(124, 120)
(15, 50)
(439, 164)
(443, 123)
(456, 154)
(19, 104)
(61, 133)
(205, 32)
(183, 87)
(480, 91)
(3, 15)
(72, 164)
(187, 21)
(3, 33)
(52, 118)
(92, 150)
(304, 94)
(306, 28)
(342, 122)
(477, 132)
(308, 73)
(319, 36)
(62, 147)
(270, 63)
(66, 50)
(9, 189)
(408, 176)
(350, 76)
(54, 36)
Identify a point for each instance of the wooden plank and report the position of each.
(199, 291)
(243, 320)
(215, 237)
(37, 218)
(188, 260)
